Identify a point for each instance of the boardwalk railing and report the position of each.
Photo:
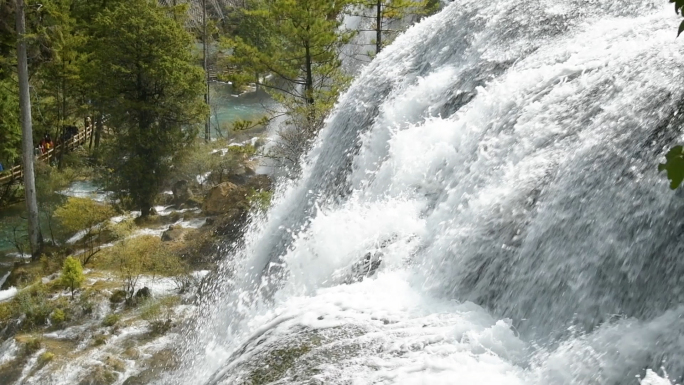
(17, 172)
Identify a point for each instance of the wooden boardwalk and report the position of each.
(16, 173)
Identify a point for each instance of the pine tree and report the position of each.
(58, 81)
(145, 74)
(72, 274)
(297, 42)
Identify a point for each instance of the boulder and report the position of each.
(181, 192)
(173, 234)
(224, 198)
(260, 183)
(143, 293)
(241, 175)
(118, 296)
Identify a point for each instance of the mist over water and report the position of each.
(500, 159)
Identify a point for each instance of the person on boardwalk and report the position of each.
(49, 144)
(42, 144)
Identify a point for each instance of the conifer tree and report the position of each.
(144, 72)
(388, 14)
(72, 274)
(297, 44)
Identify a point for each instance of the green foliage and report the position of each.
(33, 303)
(10, 131)
(49, 181)
(244, 125)
(59, 96)
(146, 254)
(144, 72)
(57, 317)
(82, 214)
(158, 313)
(297, 42)
(387, 14)
(32, 345)
(259, 200)
(199, 160)
(110, 320)
(100, 340)
(72, 274)
(674, 165)
(45, 358)
(245, 150)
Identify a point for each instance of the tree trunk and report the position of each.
(98, 129)
(378, 28)
(35, 237)
(308, 90)
(205, 42)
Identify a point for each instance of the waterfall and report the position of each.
(483, 205)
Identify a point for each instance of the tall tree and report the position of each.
(205, 58)
(58, 83)
(35, 237)
(10, 130)
(296, 46)
(145, 73)
(388, 16)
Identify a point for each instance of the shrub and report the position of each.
(100, 340)
(144, 255)
(81, 214)
(8, 310)
(45, 358)
(34, 305)
(259, 199)
(72, 274)
(32, 345)
(57, 317)
(110, 320)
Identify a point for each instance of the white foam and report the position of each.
(8, 294)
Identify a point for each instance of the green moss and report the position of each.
(100, 340)
(32, 345)
(110, 320)
(276, 364)
(45, 358)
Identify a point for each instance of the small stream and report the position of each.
(228, 107)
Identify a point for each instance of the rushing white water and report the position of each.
(500, 159)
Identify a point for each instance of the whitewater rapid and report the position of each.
(501, 159)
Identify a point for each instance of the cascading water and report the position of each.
(499, 159)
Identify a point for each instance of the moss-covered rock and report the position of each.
(224, 198)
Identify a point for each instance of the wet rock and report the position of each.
(181, 192)
(241, 175)
(100, 375)
(118, 296)
(173, 234)
(260, 183)
(224, 198)
(143, 293)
